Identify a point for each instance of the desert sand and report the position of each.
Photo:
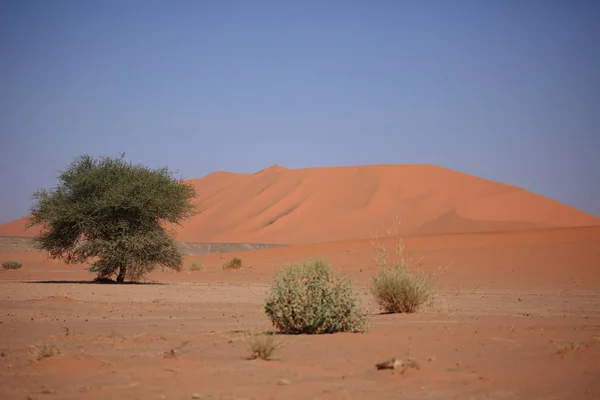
(518, 315)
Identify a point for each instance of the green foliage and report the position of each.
(396, 287)
(11, 265)
(312, 298)
(114, 212)
(197, 266)
(234, 263)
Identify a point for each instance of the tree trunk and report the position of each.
(121, 276)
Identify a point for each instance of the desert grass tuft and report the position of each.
(11, 264)
(197, 265)
(261, 346)
(44, 351)
(234, 263)
(573, 345)
(397, 287)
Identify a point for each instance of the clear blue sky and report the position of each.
(506, 90)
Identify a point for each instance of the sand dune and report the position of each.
(18, 227)
(279, 205)
(310, 205)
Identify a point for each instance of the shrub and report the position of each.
(11, 265)
(197, 266)
(399, 290)
(312, 299)
(45, 351)
(234, 263)
(261, 346)
(396, 287)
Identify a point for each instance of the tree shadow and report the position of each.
(96, 282)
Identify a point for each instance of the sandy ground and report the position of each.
(518, 318)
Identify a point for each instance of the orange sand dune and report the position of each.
(18, 227)
(279, 205)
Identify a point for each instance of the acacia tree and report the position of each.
(113, 212)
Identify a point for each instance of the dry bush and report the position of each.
(45, 351)
(397, 287)
(261, 346)
(234, 263)
(573, 345)
(313, 299)
(170, 354)
(11, 265)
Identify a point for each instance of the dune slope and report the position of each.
(279, 205)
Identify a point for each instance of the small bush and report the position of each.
(45, 351)
(197, 266)
(11, 265)
(312, 299)
(234, 263)
(399, 290)
(396, 287)
(261, 346)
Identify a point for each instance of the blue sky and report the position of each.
(507, 90)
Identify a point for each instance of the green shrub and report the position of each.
(396, 287)
(234, 263)
(11, 265)
(313, 299)
(197, 266)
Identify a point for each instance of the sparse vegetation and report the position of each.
(113, 212)
(261, 346)
(45, 351)
(11, 265)
(573, 345)
(397, 287)
(234, 263)
(402, 365)
(174, 352)
(170, 354)
(313, 299)
(197, 266)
